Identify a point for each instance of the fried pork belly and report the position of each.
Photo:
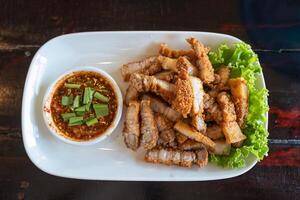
(171, 157)
(185, 68)
(214, 132)
(198, 104)
(160, 107)
(180, 138)
(149, 129)
(166, 131)
(227, 107)
(221, 148)
(144, 83)
(184, 97)
(168, 63)
(198, 95)
(165, 75)
(147, 66)
(131, 94)
(191, 133)
(213, 113)
(191, 145)
(201, 157)
(131, 130)
(224, 73)
(164, 50)
(199, 123)
(229, 125)
(232, 132)
(206, 71)
(239, 91)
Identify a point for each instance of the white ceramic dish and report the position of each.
(109, 159)
(48, 98)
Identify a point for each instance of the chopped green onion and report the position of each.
(75, 123)
(89, 118)
(65, 100)
(91, 122)
(80, 109)
(101, 97)
(71, 98)
(73, 120)
(67, 116)
(101, 110)
(87, 106)
(88, 95)
(76, 102)
(79, 113)
(72, 85)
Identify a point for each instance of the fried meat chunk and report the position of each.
(144, 83)
(147, 66)
(206, 71)
(191, 133)
(149, 129)
(183, 101)
(240, 95)
(164, 50)
(171, 157)
(166, 131)
(131, 130)
(161, 107)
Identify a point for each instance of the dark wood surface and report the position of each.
(271, 27)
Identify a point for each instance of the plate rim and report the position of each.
(25, 99)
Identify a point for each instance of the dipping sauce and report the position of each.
(83, 105)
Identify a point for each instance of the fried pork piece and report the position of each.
(171, 157)
(147, 66)
(165, 75)
(201, 157)
(182, 66)
(198, 104)
(164, 50)
(131, 130)
(214, 132)
(227, 107)
(206, 71)
(144, 83)
(198, 95)
(168, 63)
(239, 91)
(131, 94)
(213, 112)
(199, 123)
(180, 138)
(221, 148)
(148, 126)
(160, 107)
(224, 73)
(229, 126)
(165, 128)
(185, 68)
(232, 132)
(191, 133)
(184, 97)
(191, 145)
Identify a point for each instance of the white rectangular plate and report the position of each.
(109, 159)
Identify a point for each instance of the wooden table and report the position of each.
(271, 28)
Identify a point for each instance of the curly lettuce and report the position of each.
(244, 63)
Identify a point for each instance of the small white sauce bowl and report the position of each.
(48, 98)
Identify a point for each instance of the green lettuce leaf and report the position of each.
(244, 63)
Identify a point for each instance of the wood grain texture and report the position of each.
(259, 183)
(268, 26)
